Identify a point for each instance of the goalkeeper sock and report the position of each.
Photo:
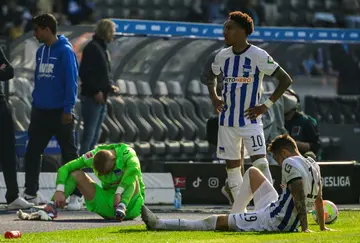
(234, 180)
(207, 224)
(70, 186)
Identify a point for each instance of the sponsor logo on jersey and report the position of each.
(238, 80)
(117, 172)
(295, 131)
(88, 155)
(270, 60)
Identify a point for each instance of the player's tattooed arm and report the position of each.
(297, 191)
(284, 82)
(320, 208)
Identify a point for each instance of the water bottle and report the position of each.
(177, 199)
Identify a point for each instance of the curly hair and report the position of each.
(282, 142)
(244, 20)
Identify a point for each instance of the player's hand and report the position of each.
(99, 98)
(66, 118)
(59, 199)
(254, 112)
(218, 103)
(120, 212)
(117, 200)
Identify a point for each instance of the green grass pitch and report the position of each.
(347, 226)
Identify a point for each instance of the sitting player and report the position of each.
(301, 190)
(121, 195)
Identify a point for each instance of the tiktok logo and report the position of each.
(196, 183)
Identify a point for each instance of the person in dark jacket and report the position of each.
(301, 127)
(96, 83)
(54, 97)
(7, 141)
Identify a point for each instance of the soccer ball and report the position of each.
(330, 212)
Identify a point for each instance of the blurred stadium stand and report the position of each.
(162, 107)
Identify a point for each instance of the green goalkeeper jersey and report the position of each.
(126, 170)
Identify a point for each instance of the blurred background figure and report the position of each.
(301, 127)
(96, 83)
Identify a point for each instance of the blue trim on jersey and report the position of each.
(287, 216)
(294, 225)
(232, 106)
(233, 90)
(281, 204)
(247, 65)
(226, 70)
(242, 104)
(254, 91)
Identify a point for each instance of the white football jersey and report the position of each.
(283, 210)
(243, 74)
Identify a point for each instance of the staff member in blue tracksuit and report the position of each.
(54, 97)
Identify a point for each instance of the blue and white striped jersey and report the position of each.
(283, 213)
(243, 75)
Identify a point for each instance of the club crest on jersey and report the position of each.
(88, 155)
(237, 80)
(117, 172)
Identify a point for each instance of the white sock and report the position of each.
(234, 180)
(207, 224)
(263, 165)
(243, 197)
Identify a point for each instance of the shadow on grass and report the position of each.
(85, 221)
(129, 231)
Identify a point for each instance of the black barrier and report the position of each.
(201, 183)
(5, 46)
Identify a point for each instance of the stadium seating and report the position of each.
(203, 106)
(153, 111)
(168, 111)
(145, 129)
(189, 119)
(121, 111)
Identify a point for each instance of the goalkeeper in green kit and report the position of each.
(122, 191)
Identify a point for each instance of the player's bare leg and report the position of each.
(85, 184)
(256, 186)
(77, 179)
(214, 222)
(234, 178)
(260, 162)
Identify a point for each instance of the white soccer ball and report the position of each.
(330, 212)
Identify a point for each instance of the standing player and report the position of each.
(243, 66)
(121, 195)
(302, 189)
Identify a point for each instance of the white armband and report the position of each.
(119, 190)
(268, 103)
(60, 188)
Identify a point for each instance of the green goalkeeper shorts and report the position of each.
(103, 204)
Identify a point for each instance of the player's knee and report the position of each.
(261, 163)
(253, 172)
(256, 178)
(257, 157)
(77, 174)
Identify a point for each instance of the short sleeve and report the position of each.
(266, 63)
(215, 66)
(289, 172)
